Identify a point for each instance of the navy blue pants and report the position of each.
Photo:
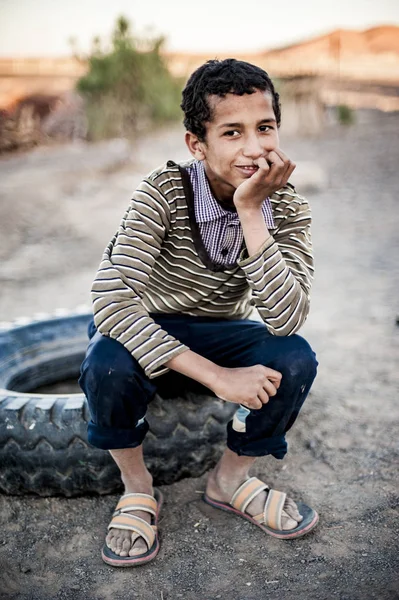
(118, 391)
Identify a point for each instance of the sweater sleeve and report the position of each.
(280, 274)
(122, 279)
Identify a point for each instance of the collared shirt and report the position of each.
(220, 229)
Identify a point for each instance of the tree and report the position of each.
(129, 86)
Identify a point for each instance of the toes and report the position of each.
(120, 542)
(108, 539)
(294, 514)
(111, 541)
(139, 547)
(287, 520)
(124, 542)
(288, 523)
(291, 509)
(118, 545)
(125, 547)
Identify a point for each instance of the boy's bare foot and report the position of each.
(223, 490)
(137, 480)
(120, 540)
(231, 472)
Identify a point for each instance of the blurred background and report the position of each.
(95, 70)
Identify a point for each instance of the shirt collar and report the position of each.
(206, 207)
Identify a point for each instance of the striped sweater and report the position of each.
(157, 263)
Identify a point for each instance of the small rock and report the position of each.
(25, 569)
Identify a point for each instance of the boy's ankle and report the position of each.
(228, 480)
(138, 484)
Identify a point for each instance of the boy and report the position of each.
(200, 244)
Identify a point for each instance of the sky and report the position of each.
(44, 27)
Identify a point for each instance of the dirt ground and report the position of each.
(58, 208)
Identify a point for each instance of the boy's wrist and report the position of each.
(213, 376)
(197, 367)
(248, 212)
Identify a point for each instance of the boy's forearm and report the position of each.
(254, 229)
(279, 283)
(197, 367)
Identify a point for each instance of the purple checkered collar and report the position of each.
(207, 208)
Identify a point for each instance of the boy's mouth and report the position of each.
(247, 170)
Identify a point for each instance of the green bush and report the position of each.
(129, 87)
(346, 115)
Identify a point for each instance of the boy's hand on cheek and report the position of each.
(273, 173)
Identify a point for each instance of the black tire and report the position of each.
(43, 439)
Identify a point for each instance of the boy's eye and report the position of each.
(231, 133)
(265, 128)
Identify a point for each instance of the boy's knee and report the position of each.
(105, 360)
(106, 356)
(298, 362)
(116, 389)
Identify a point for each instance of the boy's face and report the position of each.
(242, 130)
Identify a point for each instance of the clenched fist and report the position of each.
(250, 386)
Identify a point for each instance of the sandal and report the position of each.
(270, 519)
(139, 527)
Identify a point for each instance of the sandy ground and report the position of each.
(58, 208)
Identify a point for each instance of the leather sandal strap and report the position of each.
(247, 492)
(259, 518)
(132, 507)
(130, 502)
(136, 524)
(273, 509)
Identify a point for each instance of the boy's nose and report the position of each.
(253, 148)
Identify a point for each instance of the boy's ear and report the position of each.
(194, 145)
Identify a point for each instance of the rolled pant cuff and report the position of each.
(276, 446)
(109, 438)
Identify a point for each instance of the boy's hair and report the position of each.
(221, 77)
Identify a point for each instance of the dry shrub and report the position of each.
(129, 86)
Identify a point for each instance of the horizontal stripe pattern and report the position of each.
(281, 274)
(151, 265)
(130, 502)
